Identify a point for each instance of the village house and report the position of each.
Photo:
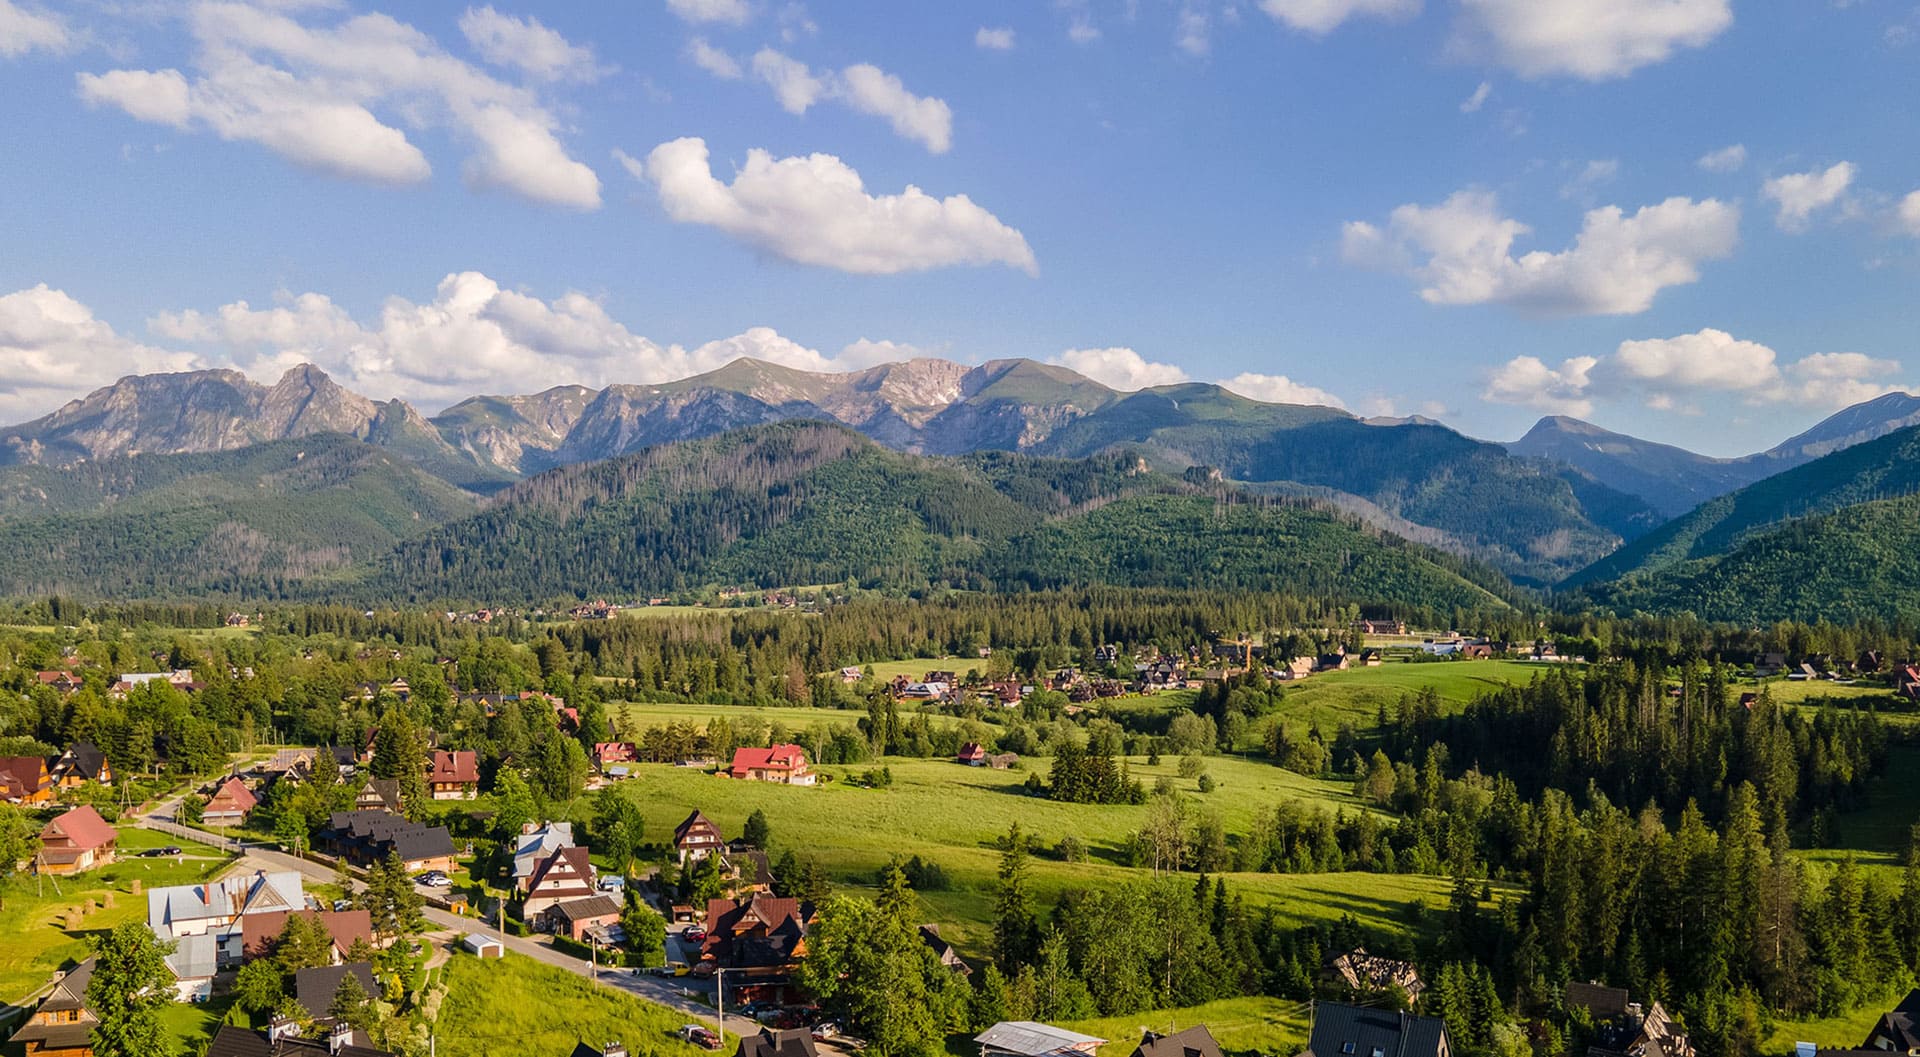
(770, 1042)
(83, 762)
(59, 679)
(62, 1025)
(972, 754)
(1003, 761)
(314, 988)
(759, 940)
(608, 753)
(229, 803)
(75, 842)
(25, 780)
(218, 908)
(1906, 683)
(379, 794)
(696, 838)
(1897, 1031)
(852, 673)
(1196, 1041)
(453, 775)
(576, 918)
(179, 679)
(1365, 973)
(781, 764)
(1624, 1027)
(1026, 1038)
(194, 961)
(535, 844)
(367, 837)
(565, 875)
(260, 933)
(1380, 627)
(1341, 1030)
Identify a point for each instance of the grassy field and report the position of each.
(1240, 1025)
(651, 715)
(518, 1005)
(916, 668)
(1841, 1033)
(39, 939)
(954, 814)
(1357, 695)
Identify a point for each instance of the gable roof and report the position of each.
(315, 988)
(258, 932)
(1340, 1030)
(195, 957)
(230, 1041)
(83, 758)
(797, 1042)
(235, 794)
(778, 758)
(1028, 1038)
(590, 907)
(82, 827)
(539, 844)
(69, 995)
(461, 767)
(693, 822)
(1196, 1041)
(567, 868)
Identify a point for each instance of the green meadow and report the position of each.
(488, 1003)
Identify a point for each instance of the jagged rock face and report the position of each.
(200, 411)
(517, 434)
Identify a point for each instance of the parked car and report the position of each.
(434, 879)
(171, 849)
(699, 1036)
(613, 884)
(694, 934)
(153, 853)
(825, 1030)
(342, 904)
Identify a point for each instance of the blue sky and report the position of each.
(1693, 220)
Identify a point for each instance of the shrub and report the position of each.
(1206, 783)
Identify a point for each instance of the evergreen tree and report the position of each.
(130, 986)
(1015, 930)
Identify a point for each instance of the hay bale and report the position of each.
(136, 887)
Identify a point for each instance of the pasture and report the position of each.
(48, 921)
(488, 1006)
(1356, 696)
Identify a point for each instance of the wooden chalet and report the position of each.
(564, 876)
(1341, 1030)
(75, 842)
(759, 940)
(25, 780)
(1361, 972)
(972, 754)
(229, 804)
(62, 1025)
(83, 762)
(453, 775)
(696, 838)
(781, 764)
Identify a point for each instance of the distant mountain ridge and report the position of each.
(1535, 519)
(1673, 480)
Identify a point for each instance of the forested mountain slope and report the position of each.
(254, 521)
(805, 502)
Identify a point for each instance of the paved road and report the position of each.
(672, 993)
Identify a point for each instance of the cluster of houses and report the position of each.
(31, 780)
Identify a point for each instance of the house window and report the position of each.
(1379, 1052)
(1346, 1047)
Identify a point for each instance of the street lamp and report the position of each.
(720, 1003)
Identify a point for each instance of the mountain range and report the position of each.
(193, 453)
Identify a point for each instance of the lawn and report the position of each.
(39, 939)
(953, 815)
(1258, 1025)
(635, 716)
(1357, 695)
(517, 1005)
(916, 668)
(192, 1024)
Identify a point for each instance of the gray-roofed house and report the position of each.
(315, 987)
(796, 1042)
(215, 908)
(1026, 1038)
(62, 1025)
(576, 916)
(282, 1039)
(1196, 1041)
(1898, 1030)
(194, 961)
(535, 845)
(1341, 1030)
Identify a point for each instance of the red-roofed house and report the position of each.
(25, 780)
(782, 764)
(78, 840)
(972, 755)
(229, 804)
(260, 933)
(760, 938)
(565, 875)
(607, 753)
(454, 775)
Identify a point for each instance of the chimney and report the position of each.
(614, 1049)
(282, 1028)
(340, 1037)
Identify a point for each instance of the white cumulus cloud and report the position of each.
(1683, 371)
(526, 44)
(1724, 160)
(1461, 252)
(1593, 40)
(1324, 16)
(1120, 368)
(53, 349)
(713, 60)
(1801, 195)
(725, 12)
(1478, 99)
(310, 94)
(23, 30)
(815, 210)
(994, 38)
(1279, 389)
(474, 336)
(1908, 214)
(863, 87)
